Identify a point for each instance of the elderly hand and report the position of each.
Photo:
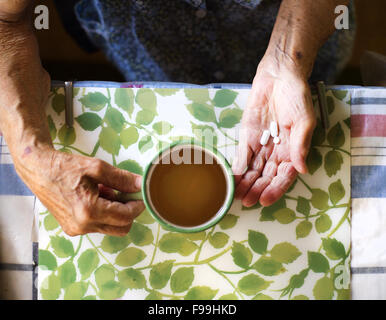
(278, 94)
(79, 191)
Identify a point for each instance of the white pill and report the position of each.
(274, 129)
(265, 137)
(276, 140)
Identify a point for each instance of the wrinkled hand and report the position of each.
(79, 191)
(284, 97)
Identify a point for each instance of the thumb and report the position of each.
(300, 140)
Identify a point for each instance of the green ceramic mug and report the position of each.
(147, 177)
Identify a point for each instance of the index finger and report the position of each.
(113, 177)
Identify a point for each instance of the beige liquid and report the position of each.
(188, 194)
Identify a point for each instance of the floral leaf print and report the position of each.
(339, 94)
(115, 119)
(285, 252)
(67, 274)
(59, 103)
(218, 240)
(162, 127)
(319, 199)
(334, 249)
(197, 95)
(63, 248)
(129, 257)
(145, 144)
(75, 291)
(319, 134)
(88, 262)
(336, 191)
(242, 256)
(110, 141)
(182, 279)
(140, 235)
(94, 101)
(314, 160)
(335, 136)
(257, 241)
(176, 243)
(323, 223)
(153, 263)
(160, 274)
(330, 105)
(111, 290)
(104, 274)
(132, 279)
(303, 206)
(224, 98)
(47, 261)
(285, 215)
(202, 112)
(50, 222)
(303, 229)
(317, 262)
(267, 212)
(228, 222)
(124, 99)
(113, 244)
(147, 100)
(50, 288)
(89, 121)
(252, 284)
(145, 117)
(67, 136)
(268, 266)
(129, 136)
(333, 161)
(323, 289)
(166, 92)
(201, 293)
(230, 117)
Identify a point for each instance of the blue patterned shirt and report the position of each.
(195, 41)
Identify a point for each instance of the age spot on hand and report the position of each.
(27, 151)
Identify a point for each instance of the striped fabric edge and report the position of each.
(27, 268)
(368, 174)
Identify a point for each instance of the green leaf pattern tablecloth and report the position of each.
(299, 248)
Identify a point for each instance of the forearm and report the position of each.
(23, 89)
(301, 27)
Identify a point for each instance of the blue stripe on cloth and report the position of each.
(364, 270)
(10, 183)
(368, 181)
(367, 100)
(16, 266)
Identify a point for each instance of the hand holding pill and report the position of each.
(277, 127)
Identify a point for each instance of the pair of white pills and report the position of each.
(273, 131)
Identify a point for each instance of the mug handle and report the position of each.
(125, 197)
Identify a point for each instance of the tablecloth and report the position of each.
(368, 108)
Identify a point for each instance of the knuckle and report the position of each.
(97, 166)
(83, 217)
